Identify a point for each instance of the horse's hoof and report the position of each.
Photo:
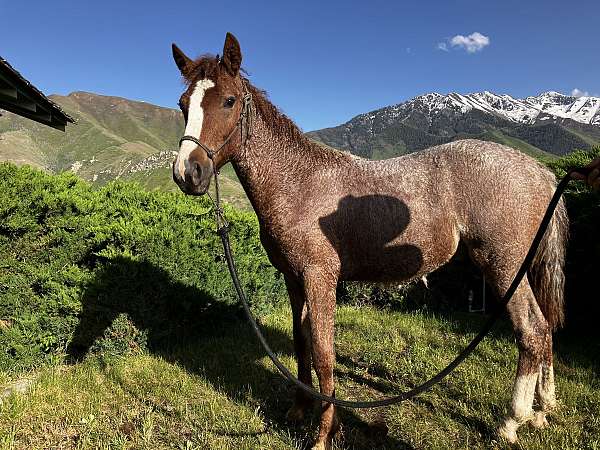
(508, 431)
(540, 421)
(327, 443)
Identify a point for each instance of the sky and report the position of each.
(322, 62)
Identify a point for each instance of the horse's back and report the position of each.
(473, 174)
(471, 161)
(480, 192)
(494, 179)
(499, 194)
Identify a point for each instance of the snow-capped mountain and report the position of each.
(546, 106)
(550, 122)
(580, 109)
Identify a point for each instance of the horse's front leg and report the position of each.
(319, 288)
(302, 347)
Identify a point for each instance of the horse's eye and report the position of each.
(229, 102)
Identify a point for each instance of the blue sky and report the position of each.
(321, 62)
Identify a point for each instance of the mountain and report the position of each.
(113, 138)
(117, 138)
(546, 125)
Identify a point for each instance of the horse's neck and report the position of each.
(272, 169)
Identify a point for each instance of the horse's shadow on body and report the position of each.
(366, 232)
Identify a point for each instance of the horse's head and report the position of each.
(212, 105)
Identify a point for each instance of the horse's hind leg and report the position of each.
(531, 330)
(302, 348)
(545, 392)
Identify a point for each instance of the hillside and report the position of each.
(548, 125)
(110, 136)
(114, 138)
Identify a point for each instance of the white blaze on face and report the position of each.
(194, 124)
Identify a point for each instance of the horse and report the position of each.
(327, 216)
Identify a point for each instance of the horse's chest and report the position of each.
(278, 252)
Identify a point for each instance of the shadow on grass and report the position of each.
(211, 338)
(208, 337)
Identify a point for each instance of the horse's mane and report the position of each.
(207, 66)
(273, 116)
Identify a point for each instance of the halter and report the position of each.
(245, 113)
(244, 124)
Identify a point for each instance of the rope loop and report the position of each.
(487, 327)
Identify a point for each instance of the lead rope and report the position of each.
(223, 232)
(244, 123)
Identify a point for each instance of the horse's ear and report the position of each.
(182, 61)
(232, 55)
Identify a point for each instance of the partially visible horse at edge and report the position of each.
(327, 216)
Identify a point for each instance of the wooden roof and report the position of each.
(19, 96)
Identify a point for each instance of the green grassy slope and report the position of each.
(514, 142)
(110, 131)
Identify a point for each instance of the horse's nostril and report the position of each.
(196, 173)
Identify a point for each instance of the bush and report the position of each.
(72, 259)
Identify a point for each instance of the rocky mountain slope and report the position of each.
(550, 123)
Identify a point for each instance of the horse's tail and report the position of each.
(546, 274)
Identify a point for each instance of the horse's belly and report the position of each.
(401, 259)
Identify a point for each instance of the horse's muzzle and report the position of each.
(196, 179)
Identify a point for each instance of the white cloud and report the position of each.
(577, 93)
(475, 42)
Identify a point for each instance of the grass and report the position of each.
(219, 391)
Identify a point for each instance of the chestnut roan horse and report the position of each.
(327, 216)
